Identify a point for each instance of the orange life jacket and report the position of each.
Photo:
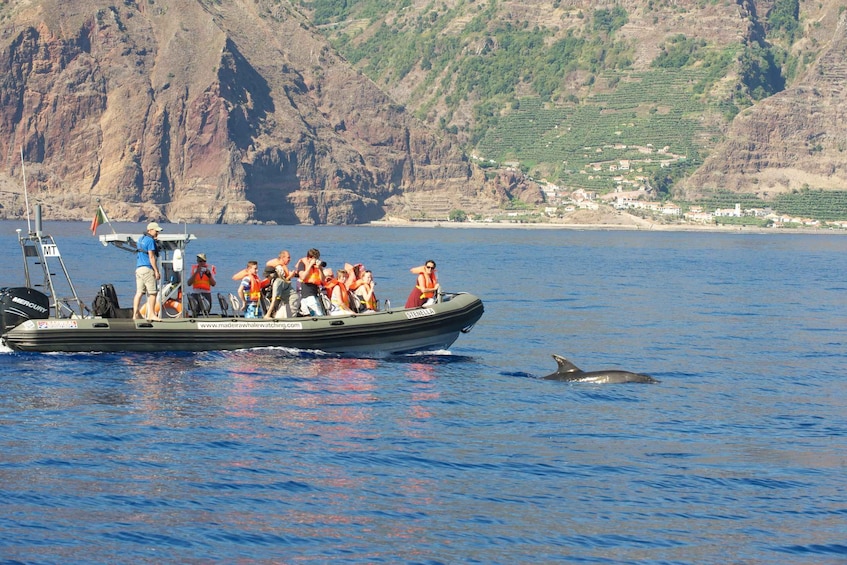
(255, 291)
(202, 283)
(314, 276)
(356, 283)
(429, 283)
(330, 286)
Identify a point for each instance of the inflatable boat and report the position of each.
(43, 320)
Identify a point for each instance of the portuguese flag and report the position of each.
(99, 218)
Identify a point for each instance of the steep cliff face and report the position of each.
(204, 112)
(793, 139)
(238, 111)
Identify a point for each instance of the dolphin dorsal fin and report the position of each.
(566, 366)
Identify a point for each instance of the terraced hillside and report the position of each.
(595, 95)
(651, 120)
(828, 206)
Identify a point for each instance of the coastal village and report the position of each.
(638, 202)
(634, 208)
(633, 195)
(583, 207)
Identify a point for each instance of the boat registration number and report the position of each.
(422, 313)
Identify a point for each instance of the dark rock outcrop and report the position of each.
(206, 112)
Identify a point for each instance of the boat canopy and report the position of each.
(129, 242)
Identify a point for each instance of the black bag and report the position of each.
(106, 304)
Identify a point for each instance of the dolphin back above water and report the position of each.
(567, 371)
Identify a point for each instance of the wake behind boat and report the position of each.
(42, 320)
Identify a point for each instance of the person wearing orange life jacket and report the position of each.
(365, 292)
(250, 291)
(339, 296)
(426, 286)
(308, 270)
(201, 281)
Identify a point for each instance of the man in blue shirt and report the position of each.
(147, 272)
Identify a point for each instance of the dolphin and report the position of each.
(567, 371)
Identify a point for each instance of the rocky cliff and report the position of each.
(794, 139)
(236, 111)
(208, 112)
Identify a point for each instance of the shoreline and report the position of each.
(604, 227)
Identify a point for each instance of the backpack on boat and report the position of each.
(106, 304)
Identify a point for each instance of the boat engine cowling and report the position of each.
(19, 304)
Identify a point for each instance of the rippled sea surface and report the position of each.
(738, 455)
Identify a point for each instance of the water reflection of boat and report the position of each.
(42, 320)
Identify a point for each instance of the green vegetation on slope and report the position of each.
(563, 102)
(649, 121)
(817, 204)
(515, 77)
(806, 203)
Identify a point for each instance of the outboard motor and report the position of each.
(19, 304)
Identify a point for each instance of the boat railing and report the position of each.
(41, 253)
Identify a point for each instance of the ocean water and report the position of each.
(738, 455)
